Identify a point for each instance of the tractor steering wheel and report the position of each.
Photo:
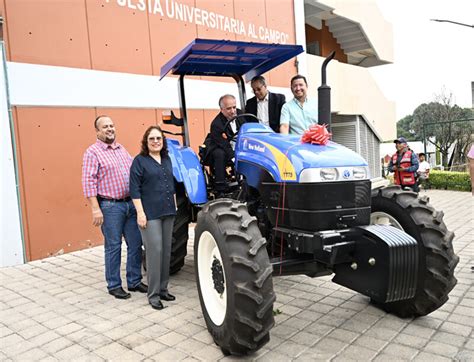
(233, 137)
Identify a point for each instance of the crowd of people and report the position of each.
(135, 198)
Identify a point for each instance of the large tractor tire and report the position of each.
(437, 261)
(180, 231)
(234, 277)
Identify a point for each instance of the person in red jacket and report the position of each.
(404, 164)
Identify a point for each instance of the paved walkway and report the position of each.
(58, 309)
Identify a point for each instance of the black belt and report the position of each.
(126, 199)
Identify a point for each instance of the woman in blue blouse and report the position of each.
(153, 194)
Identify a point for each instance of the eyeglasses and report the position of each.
(155, 138)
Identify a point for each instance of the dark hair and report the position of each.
(144, 150)
(298, 76)
(97, 120)
(260, 79)
(421, 154)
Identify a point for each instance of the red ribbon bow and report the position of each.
(316, 134)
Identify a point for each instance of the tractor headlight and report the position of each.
(329, 174)
(359, 173)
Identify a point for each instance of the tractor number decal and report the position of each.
(285, 167)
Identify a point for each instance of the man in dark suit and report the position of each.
(265, 105)
(219, 144)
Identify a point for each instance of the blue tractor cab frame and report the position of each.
(298, 208)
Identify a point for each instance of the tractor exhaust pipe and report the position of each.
(324, 95)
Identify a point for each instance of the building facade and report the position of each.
(65, 62)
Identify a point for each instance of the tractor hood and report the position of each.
(287, 159)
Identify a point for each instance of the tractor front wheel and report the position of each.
(234, 277)
(437, 261)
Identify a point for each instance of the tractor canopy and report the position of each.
(208, 57)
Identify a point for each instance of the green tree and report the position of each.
(439, 128)
(405, 129)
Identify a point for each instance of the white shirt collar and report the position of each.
(264, 99)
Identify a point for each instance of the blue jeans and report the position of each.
(120, 218)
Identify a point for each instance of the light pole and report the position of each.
(452, 22)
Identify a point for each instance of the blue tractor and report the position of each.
(295, 208)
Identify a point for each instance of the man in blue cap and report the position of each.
(404, 164)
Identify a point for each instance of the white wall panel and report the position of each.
(11, 245)
(43, 85)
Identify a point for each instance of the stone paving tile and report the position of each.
(455, 328)
(411, 341)
(111, 351)
(34, 354)
(71, 352)
(208, 353)
(370, 343)
(190, 345)
(5, 331)
(442, 349)
(449, 338)
(356, 353)
(290, 348)
(81, 335)
(13, 345)
(150, 348)
(343, 335)
(400, 351)
(169, 354)
(95, 342)
(58, 309)
(425, 356)
(304, 338)
(171, 338)
(56, 345)
(203, 337)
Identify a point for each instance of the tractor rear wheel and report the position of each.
(437, 261)
(180, 230)
(234, 277)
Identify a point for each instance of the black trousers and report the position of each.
(219, 161)
(414, 187)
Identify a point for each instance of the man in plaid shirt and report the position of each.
(105, 180)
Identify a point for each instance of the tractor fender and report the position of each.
(187, 170)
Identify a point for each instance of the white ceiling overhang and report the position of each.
(349, 34)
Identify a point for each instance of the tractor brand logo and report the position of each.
(256, 147)
(346, 174)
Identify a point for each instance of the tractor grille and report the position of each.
(317, 206)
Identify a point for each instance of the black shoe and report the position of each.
(168, 297)
(142, 288)
(119, 293)
(157, 305)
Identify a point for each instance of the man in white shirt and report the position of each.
(423, 170)
(265, 105)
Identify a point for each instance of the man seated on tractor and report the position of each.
(219, 150)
